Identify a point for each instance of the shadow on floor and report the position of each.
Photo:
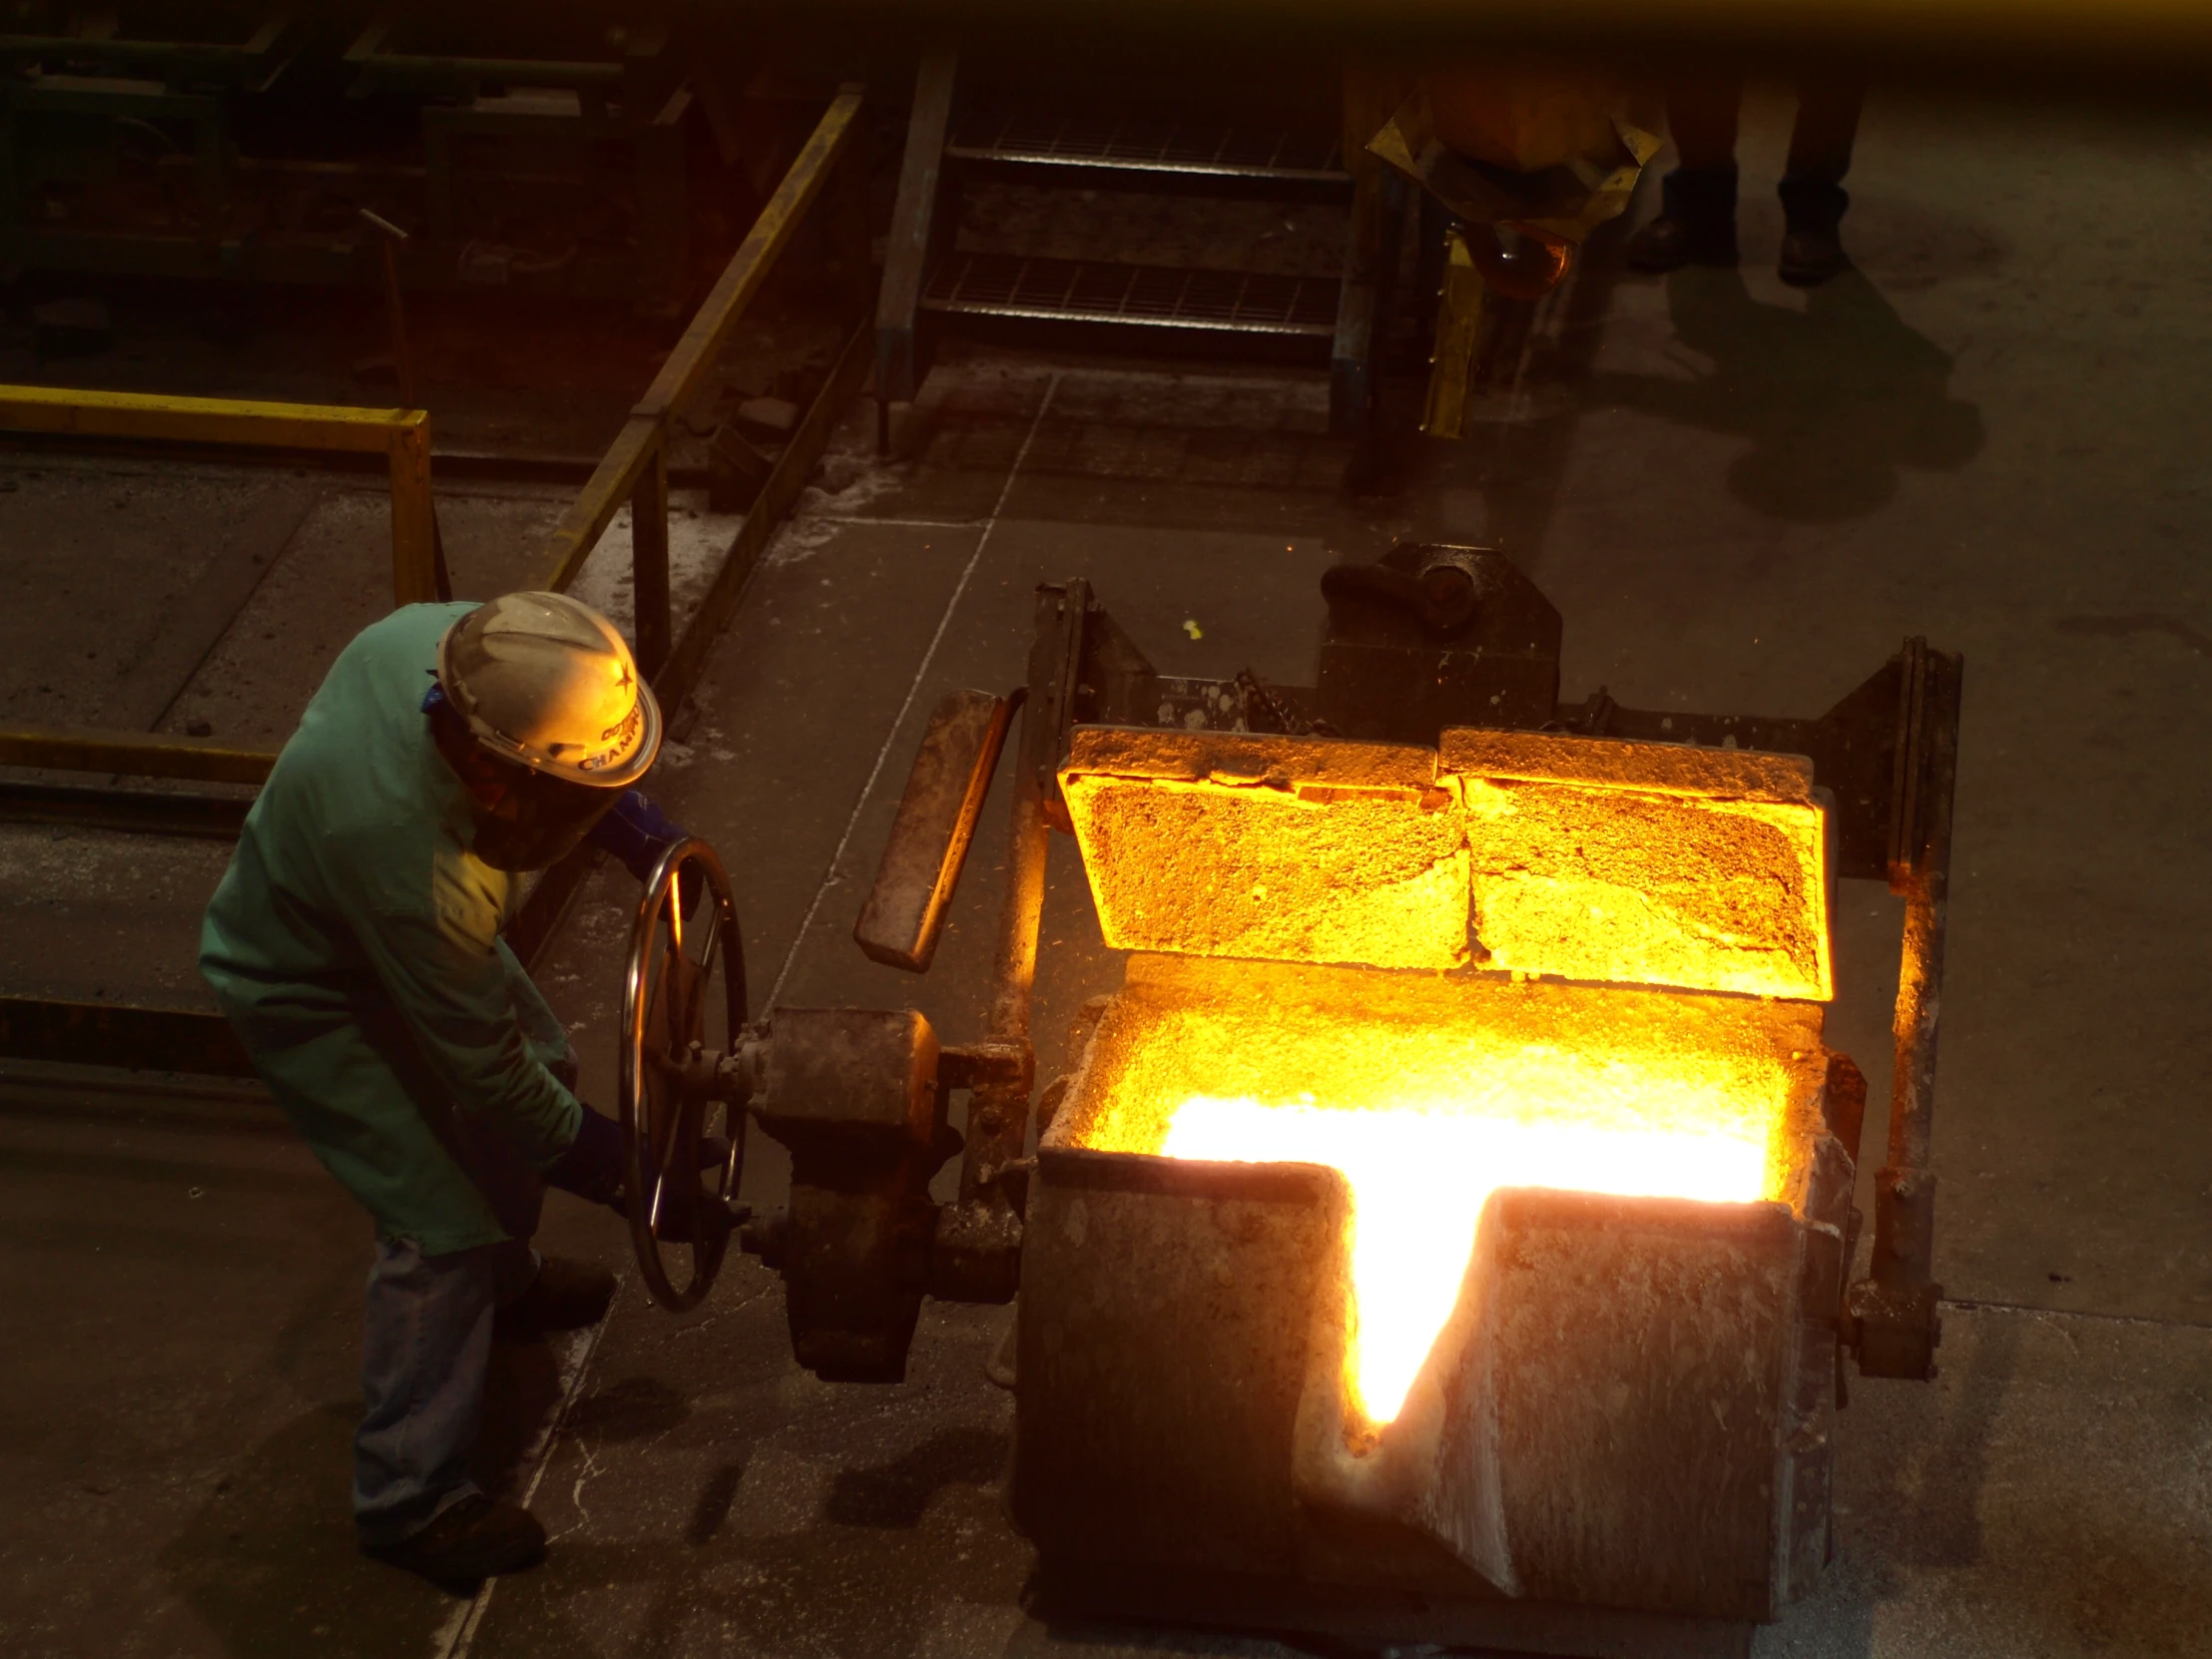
(269, 1562)
(893, 1550)
(634, 1409)
(1834, 398)
(895, 1494)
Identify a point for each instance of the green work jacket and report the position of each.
(354, 946)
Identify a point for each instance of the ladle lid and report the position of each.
(1589, 859)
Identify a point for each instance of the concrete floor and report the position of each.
(1740, 497)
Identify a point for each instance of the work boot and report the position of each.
(1812, 245)
(565, 1295)
(472, 1540)
(1696, 224)
(1810, 257)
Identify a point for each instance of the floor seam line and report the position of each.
(846, 521)
(465, 1634)
(913, 689)
(1975, 1305)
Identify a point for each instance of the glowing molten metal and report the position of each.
(1420, 1172)
(1429, 1097)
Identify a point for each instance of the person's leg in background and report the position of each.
(424, 1352)
(1697, 216)
(1812, 191)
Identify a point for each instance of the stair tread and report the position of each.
(1157, 296)
(1150, 143)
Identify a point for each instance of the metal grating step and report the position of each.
(1201, 149)
(1154, 297)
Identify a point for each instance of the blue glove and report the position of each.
(594, 1164)
(636, 833)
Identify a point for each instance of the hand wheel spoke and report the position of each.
(667, 1063)
(662, 1152)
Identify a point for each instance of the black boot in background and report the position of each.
(1812, 242)
(1696, 223)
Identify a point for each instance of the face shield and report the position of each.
(539, 820)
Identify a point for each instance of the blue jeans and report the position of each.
(427, 1346)
(424, 1357)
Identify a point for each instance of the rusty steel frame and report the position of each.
(976, 1253)
(840, 1248)
(904, 916)
(634, 469)
(1887, 751)
(1894, 1316)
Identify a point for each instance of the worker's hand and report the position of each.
(637, 833)
(686, 1215)
(594, 1163)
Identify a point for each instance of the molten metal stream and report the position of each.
(1420, 1170)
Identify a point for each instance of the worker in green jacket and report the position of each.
(354, 946)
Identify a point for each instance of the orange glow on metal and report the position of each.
(1617, 864)
(1426, 1119)
(1419, 1173)
(1584, 858)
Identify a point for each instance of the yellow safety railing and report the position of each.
(138, 754)
(403, 437)
(634, 468)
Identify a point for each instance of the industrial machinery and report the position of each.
(1444, 1233)
(540, 150)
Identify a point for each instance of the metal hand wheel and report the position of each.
(676, 1032)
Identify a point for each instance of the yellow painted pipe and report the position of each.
(136, 754)
(130, 415)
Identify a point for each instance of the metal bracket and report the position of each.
(1895, 1313)
(907, 256)
(904, 915)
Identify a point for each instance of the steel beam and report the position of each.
(906, 254)
(143, 812)
(112, 1034)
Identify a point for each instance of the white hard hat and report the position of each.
(547, 683)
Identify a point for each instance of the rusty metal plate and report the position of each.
(856, 1080)
(904, 913)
